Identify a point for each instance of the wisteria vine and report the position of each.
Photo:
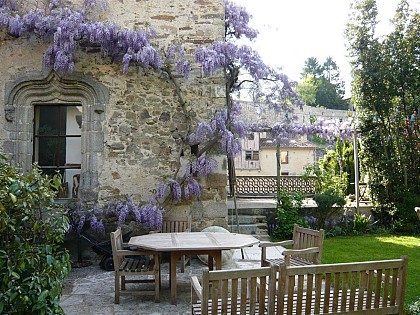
(65, 26)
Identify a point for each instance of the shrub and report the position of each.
(361, 223)
(328, 204)
(33, 263)
(288, 208)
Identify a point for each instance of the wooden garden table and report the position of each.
(192, 243)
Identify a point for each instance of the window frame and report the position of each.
(59, 166)
(252, 155)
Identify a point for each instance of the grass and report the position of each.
(362, 248)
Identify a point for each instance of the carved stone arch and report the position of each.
(31, 89)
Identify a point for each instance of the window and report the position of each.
(251, 136)
(57, 144)
(284, 157)
(252, 155)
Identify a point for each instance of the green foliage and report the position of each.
(330, 185)
(33, 264)
(361, 223)
(328, 204)
(385, 92)
(307, 90)
(400, 215)
(329, 174)
(326, 95)
(345, 151)
(288, 208)
(322, 85)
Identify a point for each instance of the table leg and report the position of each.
(215, 257)
(218, 259)
(210, 261)
(172, 277)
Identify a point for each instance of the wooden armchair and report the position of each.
(144, 265)
(172, 224)
(306, 248)
(234, 291)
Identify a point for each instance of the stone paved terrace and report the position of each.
(90, 290)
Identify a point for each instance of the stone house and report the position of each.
(118, 133)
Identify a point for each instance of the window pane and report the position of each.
(57, 144)
(284, 157)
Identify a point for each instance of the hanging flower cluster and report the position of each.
(66, 26)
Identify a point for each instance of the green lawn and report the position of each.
(361, 248)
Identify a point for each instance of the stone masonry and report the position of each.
(131, 123)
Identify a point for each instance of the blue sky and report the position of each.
(290, 31)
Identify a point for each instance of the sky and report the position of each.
(291, 31)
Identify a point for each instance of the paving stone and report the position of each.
(90, 290)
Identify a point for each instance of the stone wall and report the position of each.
(132, 138)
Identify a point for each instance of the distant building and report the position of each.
(258, 156)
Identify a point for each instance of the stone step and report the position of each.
(247, 219)
(249, 227)
(259, 232)
(252, 220)
(251, 211)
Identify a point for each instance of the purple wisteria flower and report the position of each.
(152, 215)
(65, 26)
(149, 216)
(175, 189)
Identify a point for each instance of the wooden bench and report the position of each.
(234, 291)
(306, 248)
(372, 287)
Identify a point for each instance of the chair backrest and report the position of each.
(171, 224)
(343, 288)
(117, 245)
(236, 290)
(306, 238)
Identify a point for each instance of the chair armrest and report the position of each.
(310, 250)
(127, 246)
(126, 252)
(196, 287)
(271, 244)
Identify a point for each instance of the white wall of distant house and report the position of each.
(298, 159)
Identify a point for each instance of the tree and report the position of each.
(331, 73)
(385, 92)
(327, 95)
(307, 90)
(324, 80)
(312, 68)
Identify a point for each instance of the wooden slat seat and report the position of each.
(372, 287)
(234, 291)
(367, 287)
(306, 248)
(141, 266)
